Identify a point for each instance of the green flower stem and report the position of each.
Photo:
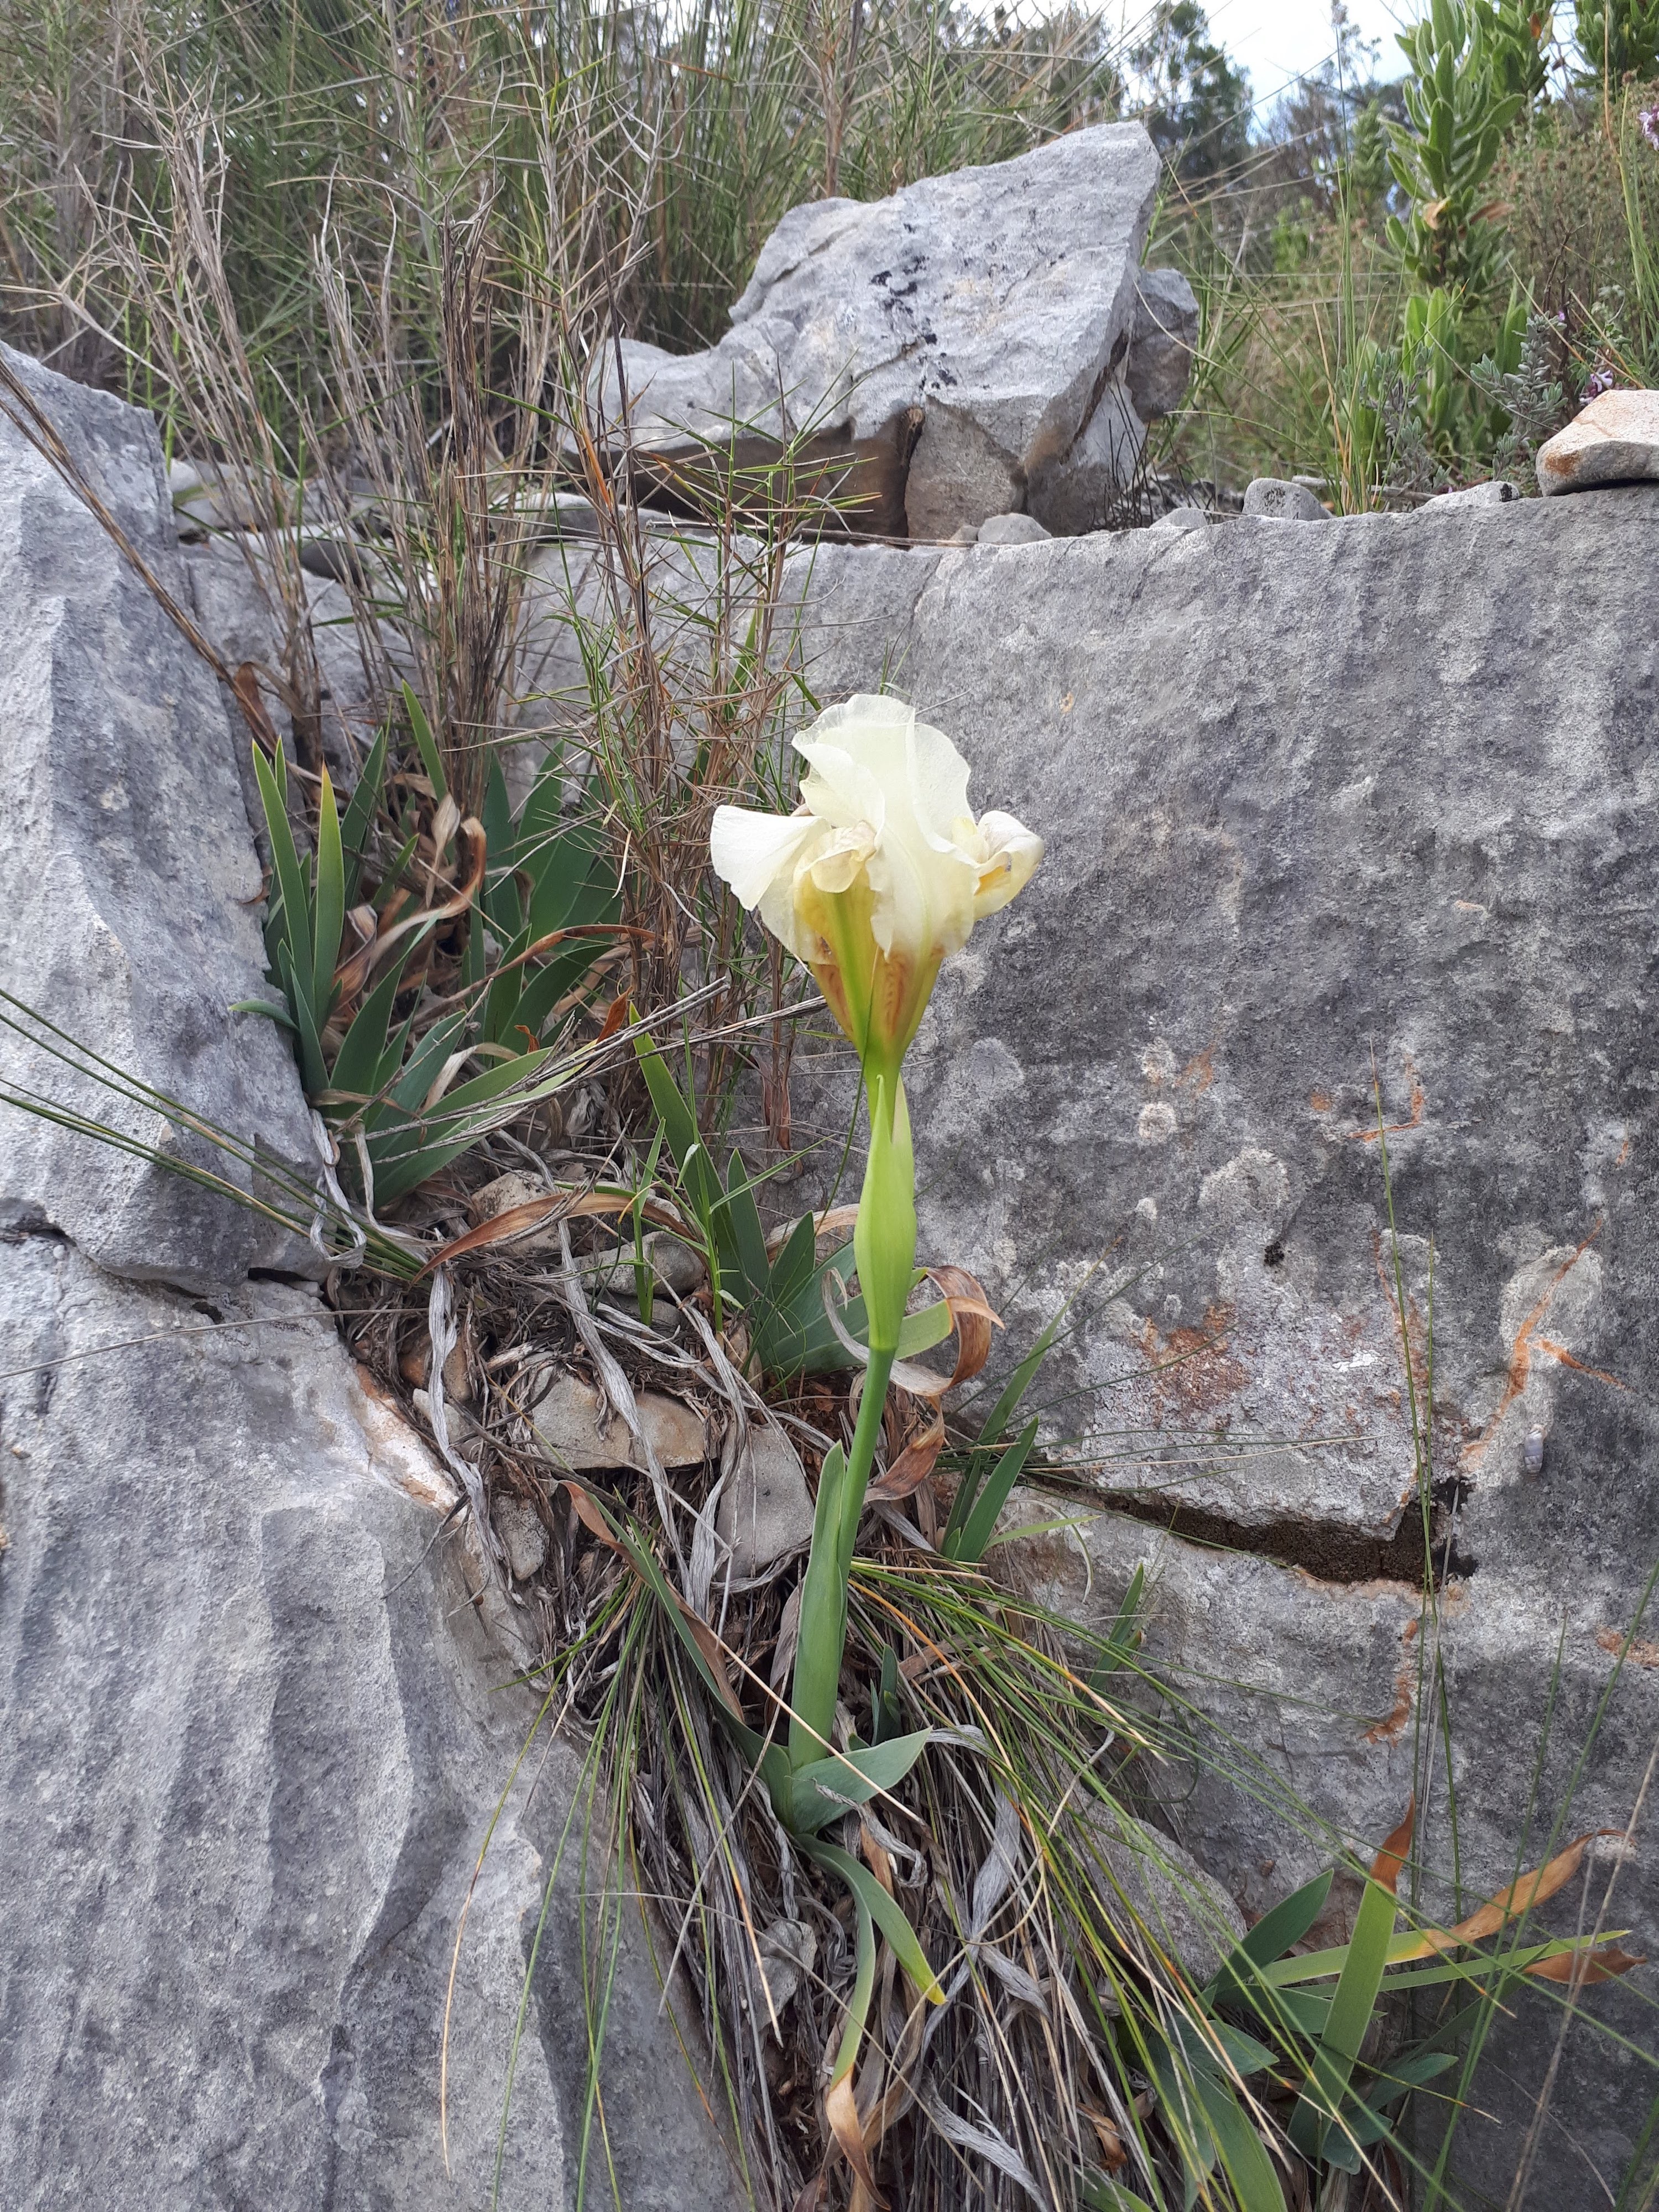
(872, 1406)
(884, 1242)
(823, 1595)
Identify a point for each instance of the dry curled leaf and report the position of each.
(1385, 1867)
(588, 1511)
(912, 1467)
(1112, 2155)
(965, 1296)
(1583, 1968)
(400, 917)
(842, 2112)
(535, 1212)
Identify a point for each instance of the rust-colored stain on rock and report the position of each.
(1398, 1128)
(1529, 1341)
(1192, 1370)
(1391, 1728)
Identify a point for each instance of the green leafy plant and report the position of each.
(1518, 37)
(1531, 396)
(389, 1087)
(1442, 154)
(1316, 2008)
(1618, 39)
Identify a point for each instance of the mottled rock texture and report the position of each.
(1346, 827)
(253, 1728)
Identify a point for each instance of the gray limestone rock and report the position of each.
(1312, 1693)
(1164, 340)
(1011, 529)
(1083, 490)
(254, 1727)
(254, 1736)
(765, 1511)
(1497, 491)
(1346, 826)
(950, 345)
(1163, 1898)
(128, 878)
(1275, 499)
(231, 596)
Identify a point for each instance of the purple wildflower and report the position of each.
(1649, 119)
(1599, 380)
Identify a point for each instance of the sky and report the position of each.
(1277, 41)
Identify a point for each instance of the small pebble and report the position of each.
(523, 1537)
(1531, 1452)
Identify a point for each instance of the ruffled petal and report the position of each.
(1011, 855)
(839, 862)
(938, 778)
(839, 788)
(870, 728)
(751, 851)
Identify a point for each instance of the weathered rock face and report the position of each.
(975, 344)
(127, 877)
(1344, 825)
(253, 1729)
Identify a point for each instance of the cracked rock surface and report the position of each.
(1344, 825)
(253, 1728)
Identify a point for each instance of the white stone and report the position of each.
(765, 1509)
(566, 1419)
(1275, 499)
(1011, 530)
(523, 1538)
(1615, 440)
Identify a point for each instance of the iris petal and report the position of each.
(886, 858)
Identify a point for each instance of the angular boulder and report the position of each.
(1614, 439)
(254, 1727)
(1352, 845)
(975, 344)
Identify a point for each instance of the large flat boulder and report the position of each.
(1352, 844)
(129, 882)
(975, 344)
(255, 1729)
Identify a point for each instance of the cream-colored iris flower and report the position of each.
(881, 872)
